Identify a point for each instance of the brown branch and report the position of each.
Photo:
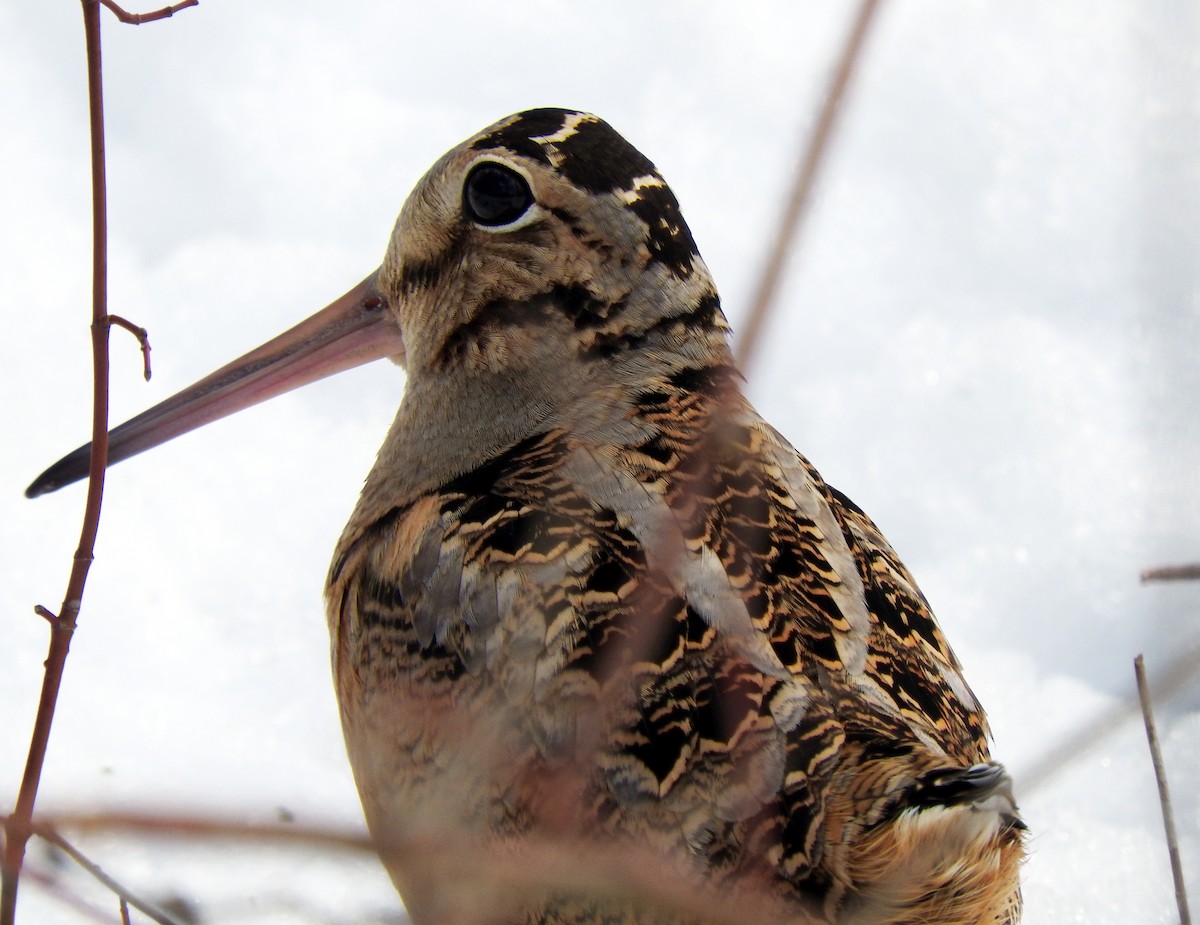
(48, 615)
(143, 337)
(624, 871)
(1164, 793)
(136, 19)
(126, 897)
(1190, 572)
(18, 828)
(802, 187)
(206, 826)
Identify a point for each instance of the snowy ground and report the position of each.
(988, 339)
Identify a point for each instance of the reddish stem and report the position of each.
(19, 826)
(141, 334)
(20, 822)
(136, 19)
(47, 615)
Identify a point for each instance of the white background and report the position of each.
(988, 339)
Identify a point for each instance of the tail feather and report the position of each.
(949, 852)
(982, 787)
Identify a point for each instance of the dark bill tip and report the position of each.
(71, 468)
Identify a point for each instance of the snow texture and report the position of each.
(988, 338)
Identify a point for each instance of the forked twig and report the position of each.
(18, 829)
(143, 337)
(48, 615)
(123, 894)
(1164, 793)
(18, 826)
(136, 19)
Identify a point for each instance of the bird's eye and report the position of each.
(494, 195)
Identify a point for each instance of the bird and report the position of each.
(590, 601)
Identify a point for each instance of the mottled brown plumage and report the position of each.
(620, 568)
(590, 601)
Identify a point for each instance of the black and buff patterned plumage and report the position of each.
(589, 594)
(637, 552)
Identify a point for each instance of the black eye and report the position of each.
(494, 195)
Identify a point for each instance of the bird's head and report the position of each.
(546, 232)
(544, 249)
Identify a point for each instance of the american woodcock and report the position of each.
(590, 599)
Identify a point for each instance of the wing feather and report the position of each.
(752, 665)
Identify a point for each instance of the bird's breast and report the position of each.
(680, 637)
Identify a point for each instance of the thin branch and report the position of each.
(136, 19)
(802, 187)
(207, 826)
(48, 615)
(143, 337)
(1164, 793)
(1190, 572)
(18, 828)
(126, 897)
(634, 874)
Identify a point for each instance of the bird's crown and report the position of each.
(546, 230)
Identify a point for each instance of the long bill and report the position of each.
(352, 330)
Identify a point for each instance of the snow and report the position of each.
(988, 339)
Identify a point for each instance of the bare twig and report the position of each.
(143, 337)
(126, 897)
(1164, 793)
(802, 187)
(48, 615)
(18, 827)
(136, 19)
(1190, 572)
(207, 826)
(629, 872)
